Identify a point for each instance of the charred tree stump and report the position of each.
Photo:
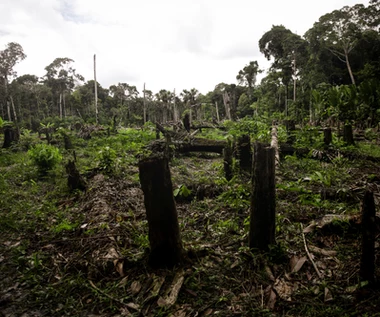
(67, 142)
(263, 199)
(186, 122)
(327, 136)
(114, 124)
(244, 152)
(74, 180)
(157, 134)
(227, 162)
(11, 135)
(290, 127)
(348, 136)
(367, 263)
(164, 236)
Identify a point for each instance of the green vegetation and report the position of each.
(44, 156)
(84, 253)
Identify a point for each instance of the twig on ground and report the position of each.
(308, 253)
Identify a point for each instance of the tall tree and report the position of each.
(339, 32)
(9, 57)
(247, 76)
(288, 51)
(62, 78)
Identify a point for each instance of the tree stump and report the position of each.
(244, 152)
(67, 142)
(263, 199)
(327, 136)
(227, 162)
(186, 122)
(164, 236)
(290, 127)
(348, 136)
(74, 180)
(367, 263)
(11, 135)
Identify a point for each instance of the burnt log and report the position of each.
(164, 236)
(263, 199)
(200, 145)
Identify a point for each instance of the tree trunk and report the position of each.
(217, 112)
(60, 105)
(327, 136)
(294, 80)
(349, 68)
(244, 152)
(263, 199)
(74, 180)
(64, 104)
(274, 145)
(186, 122)
(226, 102)
(348, 135)
(164, 236)
(286, 102)
(175, 117)
(227, 160)
(96, 93)
(11, 135)
(67, 142)
(14, 109)
(367, 263)
(144, 105)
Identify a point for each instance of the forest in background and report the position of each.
(80, 235)
(331, 72)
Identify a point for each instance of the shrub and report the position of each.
(45, 156)
(107, 160)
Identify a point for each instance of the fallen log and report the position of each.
(193, 145)
(200, 145)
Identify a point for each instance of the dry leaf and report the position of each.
(235, 264)
(269, 273)
(208, 312)
(133, 306)
(298, 264)
(328, 295)
(310, 228)
(119, 267)
(123, 282)
(135, 287)
(272, 297)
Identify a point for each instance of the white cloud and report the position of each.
(167, 44)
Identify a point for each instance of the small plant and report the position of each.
(107, 160)
(26, 139)
(182, 191)
(45, 156)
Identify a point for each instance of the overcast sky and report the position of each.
(168, 44)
